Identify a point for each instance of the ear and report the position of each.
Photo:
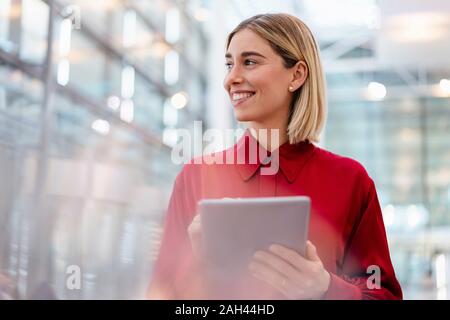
(300, 73)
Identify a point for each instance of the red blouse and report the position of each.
(346, 223)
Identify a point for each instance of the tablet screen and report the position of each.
(235, 228)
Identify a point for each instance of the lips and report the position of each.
(238, 97)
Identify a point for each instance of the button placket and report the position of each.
(267, 185)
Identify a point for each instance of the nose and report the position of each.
(233, 77)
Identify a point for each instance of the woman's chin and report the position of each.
(242, 118)
(242, 115)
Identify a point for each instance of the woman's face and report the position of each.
(257, 81)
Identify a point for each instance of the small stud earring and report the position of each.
(291, 88)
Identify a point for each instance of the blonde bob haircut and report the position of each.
(293, 41)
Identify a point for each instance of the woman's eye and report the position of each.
(229, 65)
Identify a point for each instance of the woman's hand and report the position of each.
(295, 276)
(195, 236)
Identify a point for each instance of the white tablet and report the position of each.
(235, 228)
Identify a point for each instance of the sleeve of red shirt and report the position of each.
(175, 250)
(366, 246)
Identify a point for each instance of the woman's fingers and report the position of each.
(268, 275)
(273, 278)
(195, 235)
(279, 264)
(292, 256)
(286, 270)
(311, 252)
(194, 229)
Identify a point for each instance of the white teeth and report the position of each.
(238, 96)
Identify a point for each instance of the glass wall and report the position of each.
(86, 174)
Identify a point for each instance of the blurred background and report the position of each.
(91, 93)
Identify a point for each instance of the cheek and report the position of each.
(273, 83)
(273, 92)
(225, 83)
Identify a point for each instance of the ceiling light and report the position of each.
(179, 100)
(376, 91)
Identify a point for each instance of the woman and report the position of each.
(275, 82)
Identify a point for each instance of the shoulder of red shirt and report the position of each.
(338, 162)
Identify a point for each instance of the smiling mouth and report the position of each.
(238, 98)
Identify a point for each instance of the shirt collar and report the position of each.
(292, 157)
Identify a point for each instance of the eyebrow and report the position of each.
(246, 54)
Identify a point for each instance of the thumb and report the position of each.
(311, 252)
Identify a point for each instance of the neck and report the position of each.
(263, 134)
